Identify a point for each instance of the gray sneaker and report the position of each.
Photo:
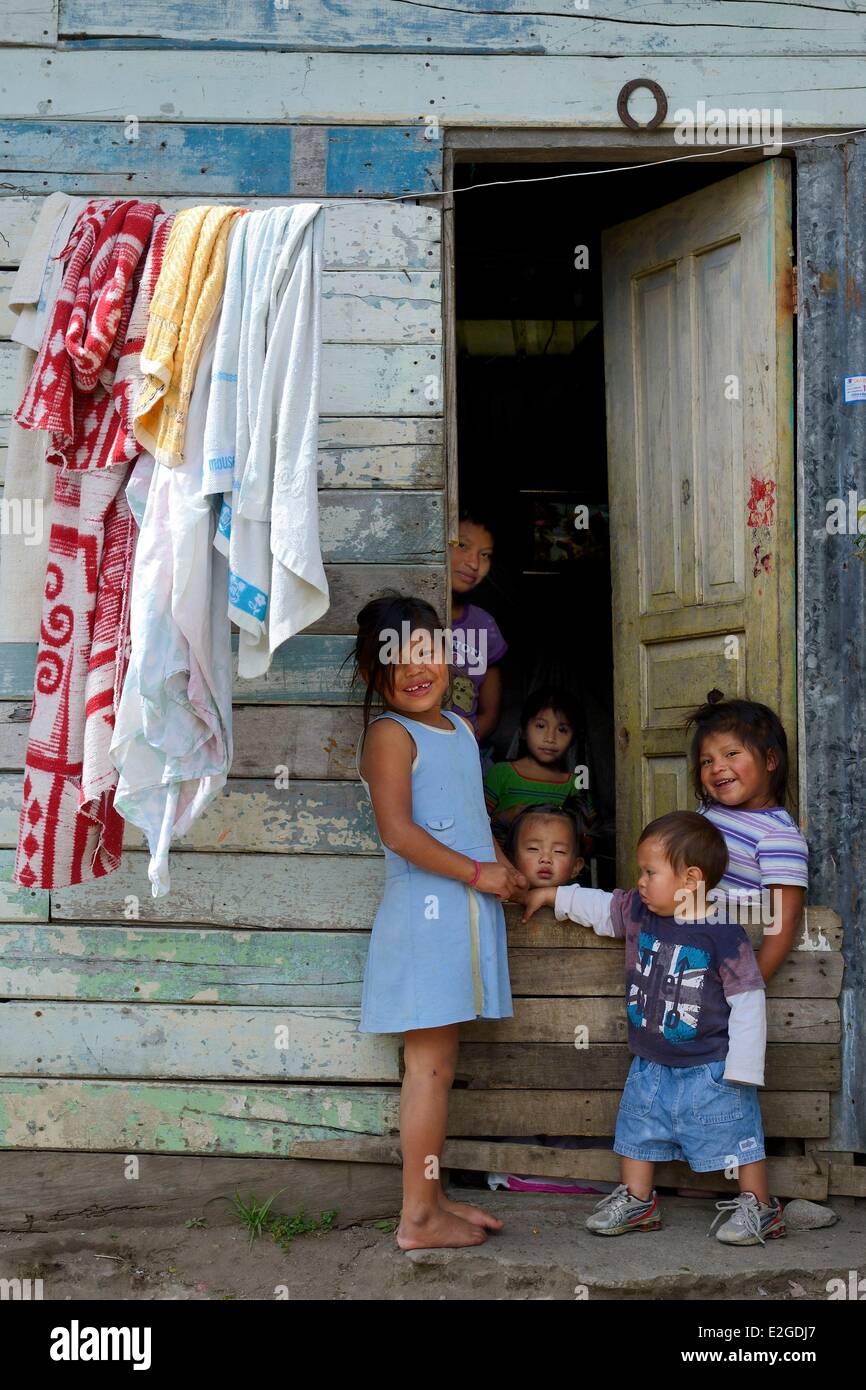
(620, 1212)
(752, 1223)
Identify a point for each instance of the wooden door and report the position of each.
(698, 346)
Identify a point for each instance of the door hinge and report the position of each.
(793, 289)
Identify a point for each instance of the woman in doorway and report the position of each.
(478, 645)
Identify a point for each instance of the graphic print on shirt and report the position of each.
(666, 990)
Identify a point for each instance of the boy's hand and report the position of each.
(536, 898)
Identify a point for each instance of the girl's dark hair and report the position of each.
(476, 514)
(554, 697)
(376, 620)
(757, 726)
(575, 821)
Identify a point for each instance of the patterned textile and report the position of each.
(69, 830)
(69, 392)
(184, 301)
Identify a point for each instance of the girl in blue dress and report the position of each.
(438, 948)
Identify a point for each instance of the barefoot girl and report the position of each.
(438, 950)
(739, 761)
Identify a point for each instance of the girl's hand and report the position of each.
(500, 879)
(536, 898)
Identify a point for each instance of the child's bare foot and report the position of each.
(476, 1216)
(439, 1229)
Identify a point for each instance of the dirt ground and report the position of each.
(543, 1253)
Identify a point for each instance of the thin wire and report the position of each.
(703, 154)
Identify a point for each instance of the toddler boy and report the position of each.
(696, 1027)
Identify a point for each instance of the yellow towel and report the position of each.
(184, 300)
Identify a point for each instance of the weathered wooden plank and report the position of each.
(786, 1114)
(94, 1116)
(305, 817)
(368, 432)
(93, 157)
(50, 1192)
(555, 971)
(604, 1066)
(493, 27)
(182, 965)
(552, 1020)
(313, 741)
(374, 380)
(357, 379)
(394, 467)
(284, 891)
(463, 90)
(846, 1179)
(19, 904)
(390, 306)
(313, 1043)
(305, 670)
(365, 235)
(104, 1116)
(33, 22)
(392, 528)
(166, 1042)
(7, 320)
(351, 586)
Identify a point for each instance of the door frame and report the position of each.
(523, 145)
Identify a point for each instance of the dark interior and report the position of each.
(531, 428)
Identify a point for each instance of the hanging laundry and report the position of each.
(172, 743)
(69, 829)
(69, 390)
(261, 431)
(186, 296)
(29, 485)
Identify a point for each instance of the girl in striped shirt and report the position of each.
(739, 757)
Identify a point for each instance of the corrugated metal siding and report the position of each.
(832, 345)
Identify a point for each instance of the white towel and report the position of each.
(39, 276)
(29, 484)
(172, 744)
(262, 428)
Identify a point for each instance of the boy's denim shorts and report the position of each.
(688, 1113)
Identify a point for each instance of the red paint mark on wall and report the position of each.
(762, 500)
(761, 505)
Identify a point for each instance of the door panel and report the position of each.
(699, 379)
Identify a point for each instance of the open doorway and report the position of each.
(539, 376)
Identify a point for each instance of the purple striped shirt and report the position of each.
(764, 847)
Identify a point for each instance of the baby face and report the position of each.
(546, 852)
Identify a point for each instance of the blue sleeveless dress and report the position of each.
(438, 951)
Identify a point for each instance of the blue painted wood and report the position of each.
(471, 26)
(305, 670)
(89, 156)
(360, 161)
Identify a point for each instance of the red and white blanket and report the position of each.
(70, 389)
(69, 831)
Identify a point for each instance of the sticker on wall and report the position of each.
(855, 389)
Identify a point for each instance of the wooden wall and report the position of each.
(222, 1019)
